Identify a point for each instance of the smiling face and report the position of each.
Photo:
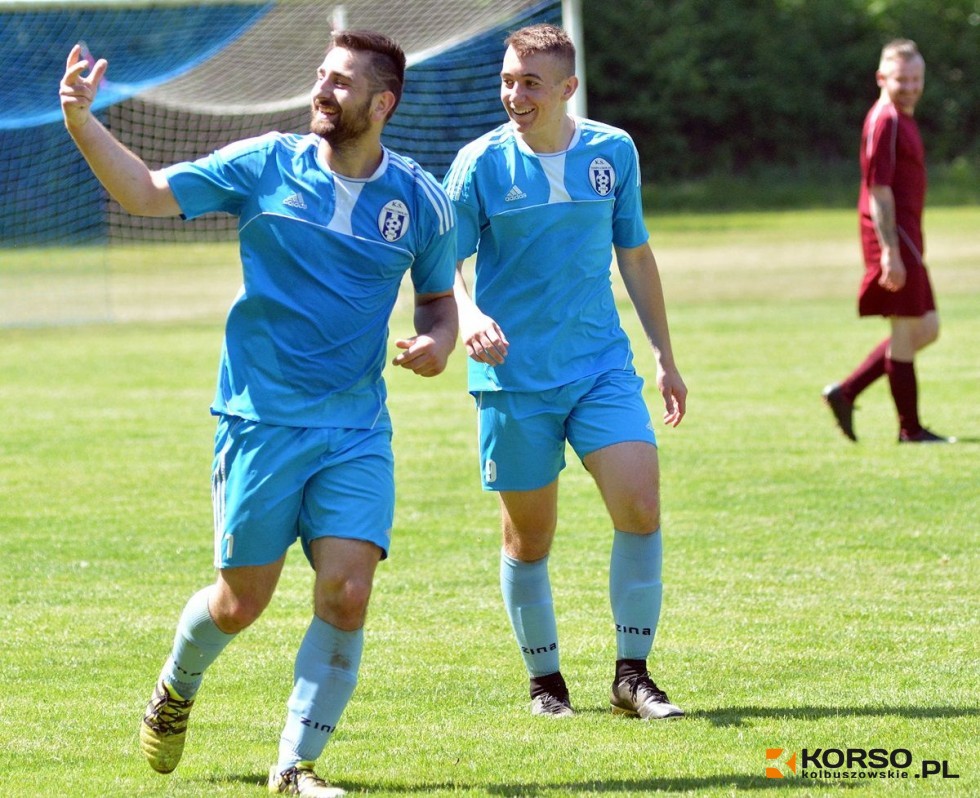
(534, 89)
(902, 80)
(341, 97)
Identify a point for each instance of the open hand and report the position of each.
(78, 90)
(485, 341)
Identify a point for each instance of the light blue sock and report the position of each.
(197, 644)
(324, 678)
(526, 589)
(636, 591)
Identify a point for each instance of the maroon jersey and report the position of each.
(892, 155)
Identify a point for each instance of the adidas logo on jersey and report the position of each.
(514, 194)
(294, 201)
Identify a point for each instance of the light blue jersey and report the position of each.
(322, 257)
(543, 227)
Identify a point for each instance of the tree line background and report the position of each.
(708, 87)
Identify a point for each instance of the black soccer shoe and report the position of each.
(639, 697)
(549, 696)
(923, 436)
(842, 408)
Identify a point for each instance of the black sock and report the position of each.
(552, 684)
(630, 668)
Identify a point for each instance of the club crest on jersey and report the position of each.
(602, 176)
(393, 220)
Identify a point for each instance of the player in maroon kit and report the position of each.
(896, 284)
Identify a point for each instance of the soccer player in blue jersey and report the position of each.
(328, 224)
(542, 200)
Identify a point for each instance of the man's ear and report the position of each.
(382, 104)
(571, 84)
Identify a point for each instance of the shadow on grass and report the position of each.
(736, 716)
(737, 781)
(723, 716)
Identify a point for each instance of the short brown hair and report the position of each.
(387, 59)
(547, 39)
(899, 50)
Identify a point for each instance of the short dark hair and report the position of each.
(547, 39)
(387, 59)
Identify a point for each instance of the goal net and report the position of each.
(185, 78)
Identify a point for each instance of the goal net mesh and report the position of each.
(185, 78)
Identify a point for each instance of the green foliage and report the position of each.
(710, 87)
(818, 593)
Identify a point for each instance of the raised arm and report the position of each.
(642, 279)
(125, 176)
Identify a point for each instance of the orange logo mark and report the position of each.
(778, 760)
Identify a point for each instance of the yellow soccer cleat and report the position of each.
(164, 728)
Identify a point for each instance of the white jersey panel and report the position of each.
(322, 260)
(543, 228)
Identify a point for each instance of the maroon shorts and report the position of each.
(916, 297)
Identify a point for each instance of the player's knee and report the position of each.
(343, 601)
(640, 515)
(238, 613)
(926, 331)
(527, 551)
(529, 543)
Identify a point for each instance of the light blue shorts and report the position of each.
(522, 435)
(272, 484)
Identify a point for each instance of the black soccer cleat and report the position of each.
(549, 696)
(923, 436)
(842, 408)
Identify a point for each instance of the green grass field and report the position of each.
(818, 594)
